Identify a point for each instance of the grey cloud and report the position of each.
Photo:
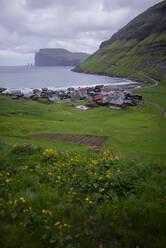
(133, 5)
(74, 4)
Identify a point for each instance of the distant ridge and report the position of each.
(138, 49)
(58, 57)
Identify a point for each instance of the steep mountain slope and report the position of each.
(58, 57)
(137, 50)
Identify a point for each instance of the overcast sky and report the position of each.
(76, 25)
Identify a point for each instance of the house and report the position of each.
(98, 98)
(117, 103)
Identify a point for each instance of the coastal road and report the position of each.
(159, 107)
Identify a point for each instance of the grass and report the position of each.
(137, 131)
(61, 194)
(51, 199)
(129, 57)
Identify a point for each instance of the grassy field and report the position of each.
(137, 131)
(61, 194)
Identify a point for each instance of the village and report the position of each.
(116, 97)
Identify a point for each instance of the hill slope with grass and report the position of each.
(137, 50)
(58, 57)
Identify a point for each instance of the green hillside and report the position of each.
(138, 50)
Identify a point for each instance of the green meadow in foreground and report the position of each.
(61, 194)
(66, 199)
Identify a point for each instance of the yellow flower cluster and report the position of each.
(71, 193)
(49, 152)
(61, 225)
(109, 174)
(94, 162)
(15, 202)
(25, 167)
(5, 178)
(8, 180)
(49, 212)
(27, 209)
(22, 199)
(106, 153)
(88, 200)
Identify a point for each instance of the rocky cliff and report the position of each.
(58, 57)
(137, 50)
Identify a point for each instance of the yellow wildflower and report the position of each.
(57, 223)
(15, 202)
(102, 189)
(25, 167)
(37, 166)
(118, 170)
(10, 202)
(86, 199)
(58, 177)
(60, 227)
(22, 199)
(74, 175)
(116, 157)
(100, 246)
(49, 212)
(25, 210)
(44, 211)
(7, 180)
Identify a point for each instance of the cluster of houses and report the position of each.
(99, 94)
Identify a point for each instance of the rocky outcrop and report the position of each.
(58, 57)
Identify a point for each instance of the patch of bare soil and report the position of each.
(79, 139)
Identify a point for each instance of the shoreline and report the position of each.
(136, 80)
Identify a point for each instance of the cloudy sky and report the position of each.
(76, 25)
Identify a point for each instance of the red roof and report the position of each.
(106, 90)
(82, 89)
(116, 92)
(98, 97)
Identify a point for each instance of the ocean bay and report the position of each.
(51, 77)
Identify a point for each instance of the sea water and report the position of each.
(54, 77)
